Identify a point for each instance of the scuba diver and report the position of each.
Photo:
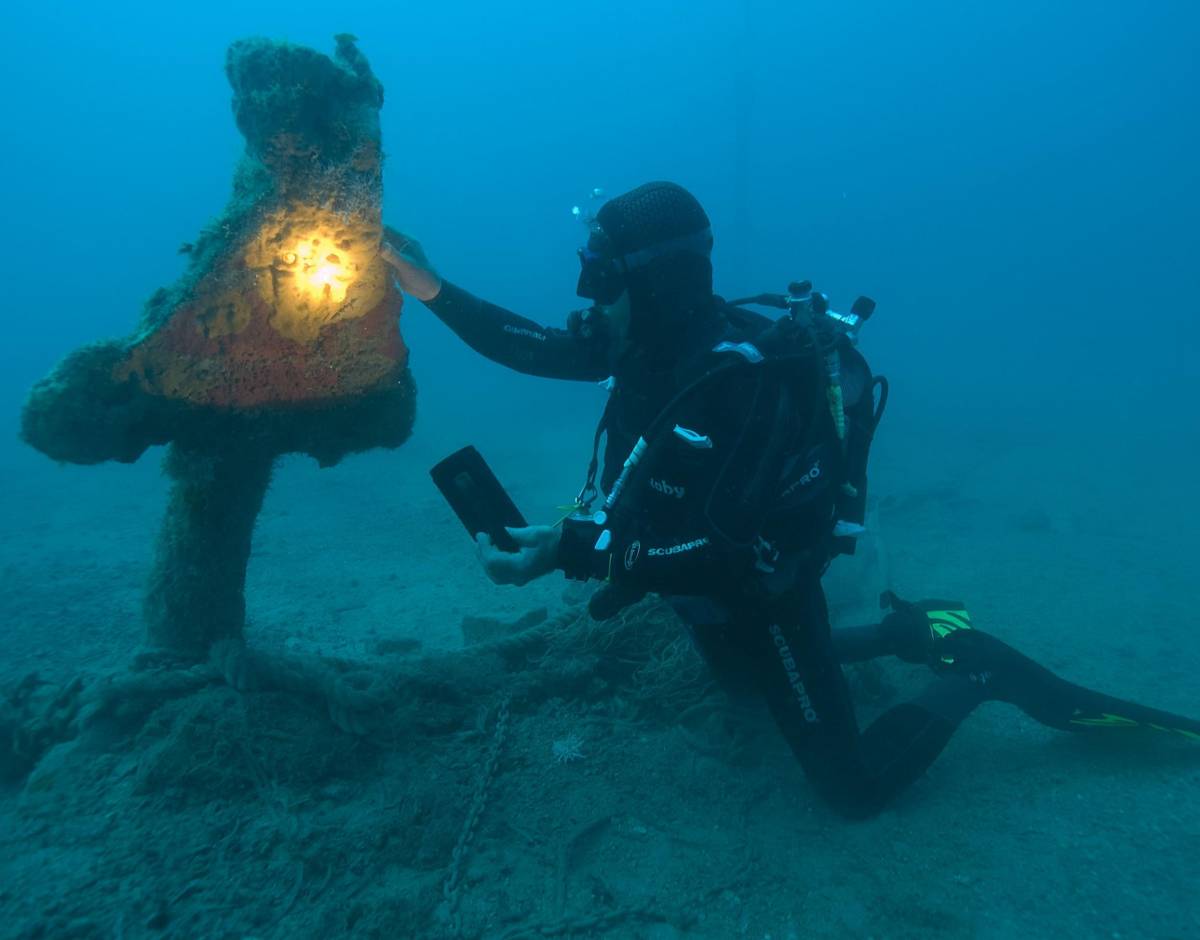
(734, 472)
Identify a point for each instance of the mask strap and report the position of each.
(698, 243)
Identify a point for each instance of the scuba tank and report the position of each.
(829, 332)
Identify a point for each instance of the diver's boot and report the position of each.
(909, 632)
(905, 633)
(950, 645)
(913, 628)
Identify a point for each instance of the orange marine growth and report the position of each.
(302, 310)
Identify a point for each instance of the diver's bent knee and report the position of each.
(850, 799)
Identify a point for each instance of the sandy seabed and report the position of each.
(558, 796)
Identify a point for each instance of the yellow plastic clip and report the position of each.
(567, 512)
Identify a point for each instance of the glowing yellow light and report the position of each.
(316, 268)
(325, 277)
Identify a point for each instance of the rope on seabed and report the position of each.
(453, 883)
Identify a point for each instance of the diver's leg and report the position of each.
(1006, 675)
(796, 661)
(940, 634)
(860, 643)
(898, 634)
(712, 630)
(713, 636)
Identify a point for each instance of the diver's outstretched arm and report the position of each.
(579, 352)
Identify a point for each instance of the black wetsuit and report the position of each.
(730, 515)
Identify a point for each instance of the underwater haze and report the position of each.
(1015, 184)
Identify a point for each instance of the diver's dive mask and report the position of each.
(601, 278)
(602, 274)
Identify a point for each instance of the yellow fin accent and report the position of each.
(1191, 735)
(944, 622)
(1107, 721)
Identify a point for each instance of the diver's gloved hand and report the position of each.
(536, 555)
(405, 256)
